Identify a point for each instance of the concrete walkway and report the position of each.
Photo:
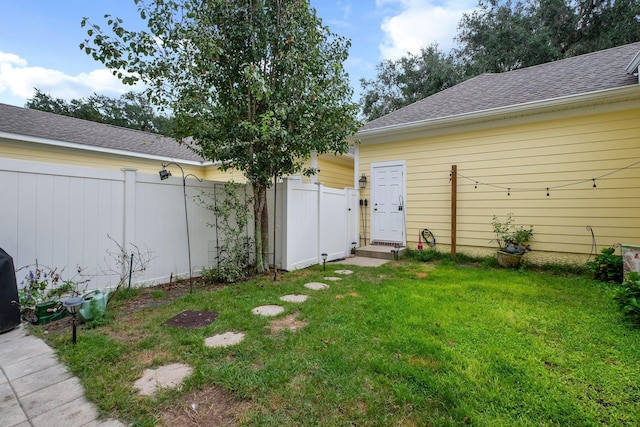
(37, 390)
(361, 261)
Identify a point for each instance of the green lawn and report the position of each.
(405, 344)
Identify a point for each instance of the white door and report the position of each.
(387, 202)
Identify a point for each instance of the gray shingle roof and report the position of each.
(572, 76)
(40, 124)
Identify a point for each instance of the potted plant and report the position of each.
(513, 241)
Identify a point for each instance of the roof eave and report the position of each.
(606, 96)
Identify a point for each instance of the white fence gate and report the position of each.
(62, 216)
(311, 220)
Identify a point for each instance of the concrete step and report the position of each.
(380, 252)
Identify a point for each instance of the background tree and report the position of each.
(408, 79)
(505, 35)
(502, 36)
(257, 84)
(132, 110)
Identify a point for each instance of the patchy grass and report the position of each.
(409, 344)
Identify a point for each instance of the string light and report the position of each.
(548, 189)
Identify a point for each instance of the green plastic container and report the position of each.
(95, 302)
(49, 311)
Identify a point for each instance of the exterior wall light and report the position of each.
(363, 182)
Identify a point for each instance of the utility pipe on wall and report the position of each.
(454, 207)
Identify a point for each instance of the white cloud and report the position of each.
(18, 80)
(419, 23)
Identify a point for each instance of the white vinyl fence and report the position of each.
(311, 220)
(68, 217)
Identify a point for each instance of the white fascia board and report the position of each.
(632, 68)
(91, 148)
(606, 96)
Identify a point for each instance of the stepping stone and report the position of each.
(332, 279)
(316, 286)
(224, 340)
(268, 310)
(344, 272)
(168, 376)
(294, 298)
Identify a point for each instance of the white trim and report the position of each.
(632, 68)
(92, 148)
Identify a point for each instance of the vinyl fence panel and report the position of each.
(68, 217)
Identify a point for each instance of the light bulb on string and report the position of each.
(547, 191)
(508, 191)
(476, 186)
(594, 183)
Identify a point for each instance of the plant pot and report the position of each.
(508, 260)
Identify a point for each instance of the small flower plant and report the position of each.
(43, 283)
(511, 239)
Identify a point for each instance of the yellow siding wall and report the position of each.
(69, 156)
(528, 159)
(335, 173)
(212, 173)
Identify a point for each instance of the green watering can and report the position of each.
(95, 302)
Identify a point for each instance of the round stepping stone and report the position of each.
(224, 340)
(294, 298)
(344, 272)
(332, 279)
(168, 376)
(316, 286)
(268, 310)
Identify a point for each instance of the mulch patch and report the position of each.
(192, 319)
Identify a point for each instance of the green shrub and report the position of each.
(628, 297)
(607, 267)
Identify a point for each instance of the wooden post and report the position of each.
(454, 207)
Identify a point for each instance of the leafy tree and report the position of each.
(408, 79)
(505, 35)
(132, 110)
(257, 84)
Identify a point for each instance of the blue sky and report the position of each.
(39, 40)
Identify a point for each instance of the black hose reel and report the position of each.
(428, 237)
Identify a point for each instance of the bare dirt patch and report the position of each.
(208, 407)
(290, 322)
(189, 319)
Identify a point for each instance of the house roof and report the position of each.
(55, 129)
(593, 72)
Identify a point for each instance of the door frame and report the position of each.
(403, 165)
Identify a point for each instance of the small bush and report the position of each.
(628, 297)
(425, 256)
(607, 267)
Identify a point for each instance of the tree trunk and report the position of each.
(261, 224)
